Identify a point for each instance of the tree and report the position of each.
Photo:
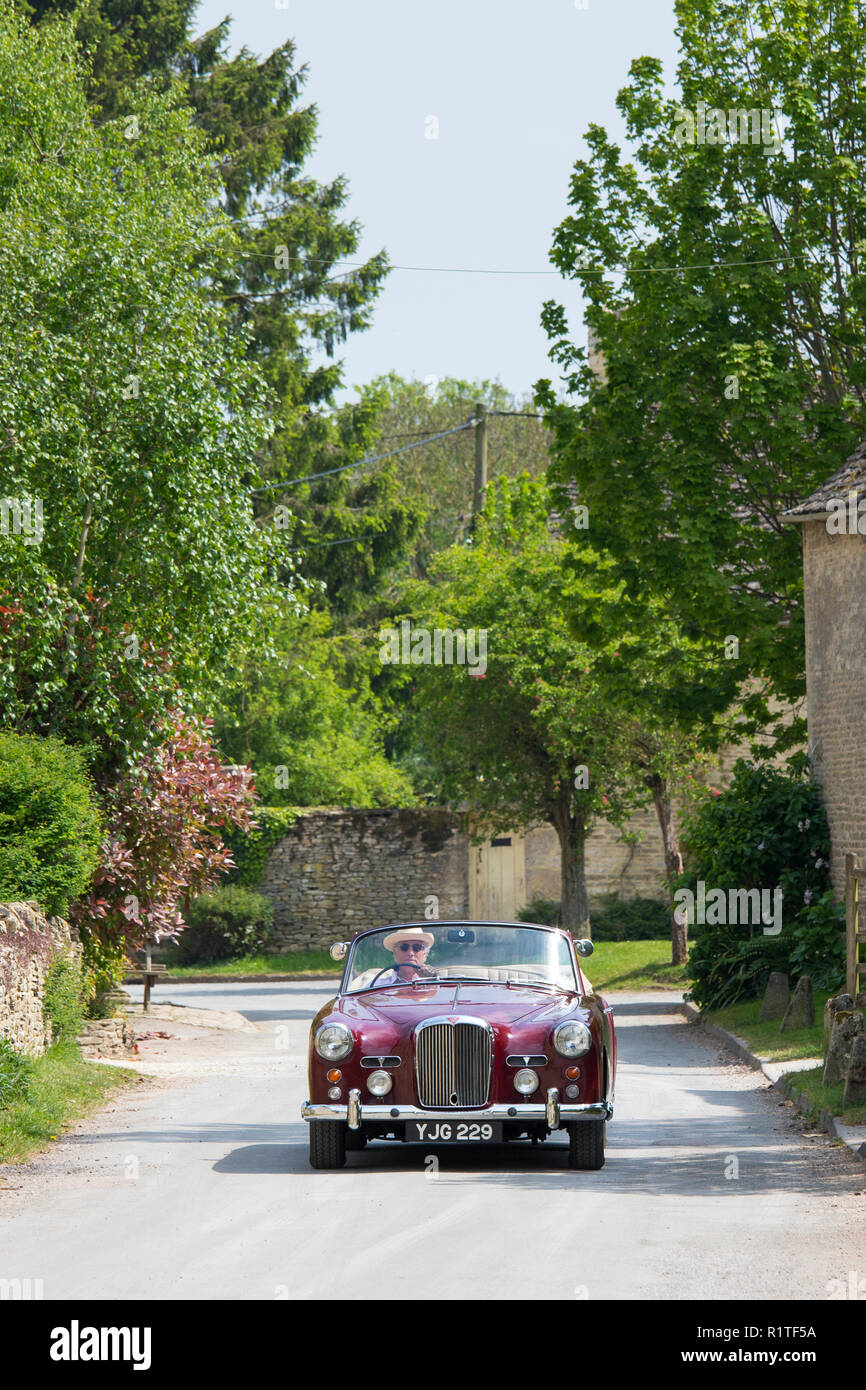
(134, 572)
(672, 693)
(439, 476)
(529, 739)
(309, 725)
(734, 340)
(283, 286)
(350, 531)
(291, 235)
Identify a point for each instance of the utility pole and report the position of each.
(480, 457)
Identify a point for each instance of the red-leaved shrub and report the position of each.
(163, 845)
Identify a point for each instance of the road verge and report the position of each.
(853, 1136)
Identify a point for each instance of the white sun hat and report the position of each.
(407, 934)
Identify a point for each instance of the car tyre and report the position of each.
(586, 1145)
(327, 1144)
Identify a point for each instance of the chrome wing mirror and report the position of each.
(339, 950)
(584, 946)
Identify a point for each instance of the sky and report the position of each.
(507, 88)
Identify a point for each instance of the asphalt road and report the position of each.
(199, 1187)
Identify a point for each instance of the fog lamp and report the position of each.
(572, 1092)
(334, 1093)
(526, 1081)
(379, 1083)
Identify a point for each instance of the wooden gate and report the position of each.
(854, 935)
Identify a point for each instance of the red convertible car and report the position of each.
(461, 1033)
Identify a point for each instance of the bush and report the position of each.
(767, 830)
(630, 919)
(105, 964)
(230, 921)
(818, 943)
(545, 911)
(725, 967)
(15, 1075)
(614, 919)
(49, 824)
(164, 843)
(63, 997)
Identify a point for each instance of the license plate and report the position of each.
(454, 1131)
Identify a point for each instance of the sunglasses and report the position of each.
(413, 945)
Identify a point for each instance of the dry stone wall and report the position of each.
(340, 871)
(28, 941)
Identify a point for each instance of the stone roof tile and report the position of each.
(851, 477)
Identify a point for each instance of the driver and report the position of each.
(410, 946)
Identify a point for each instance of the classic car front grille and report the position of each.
(452, 1064)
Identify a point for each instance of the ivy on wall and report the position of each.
(250, 850)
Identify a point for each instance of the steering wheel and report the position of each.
(385, 968)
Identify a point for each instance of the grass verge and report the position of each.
(764, 1039)
(808, 1083)
(62, 1088)
(290, 963)
(634, 965)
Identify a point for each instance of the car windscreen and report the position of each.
(480, 952)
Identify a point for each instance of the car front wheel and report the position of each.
(586, 1144)
(327, 1144)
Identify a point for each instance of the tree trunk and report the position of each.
(673, 863)
(571, 830)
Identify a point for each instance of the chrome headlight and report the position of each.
(572, 1039)
(333, 1042)
(526, 1081)
(379, 1083)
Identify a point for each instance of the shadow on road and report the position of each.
(628, 1172)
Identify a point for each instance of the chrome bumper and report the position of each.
(355, 1111)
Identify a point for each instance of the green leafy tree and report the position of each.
(309, 724)
(286, 285)
(531, 738)
(674, 694)
(439, 476)
(130, 413)
(724, 286)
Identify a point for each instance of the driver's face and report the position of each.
(410, 952)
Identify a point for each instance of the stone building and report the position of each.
(833, 522)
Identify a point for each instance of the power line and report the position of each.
(492, 270)
(375, 458)
(371, 536)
